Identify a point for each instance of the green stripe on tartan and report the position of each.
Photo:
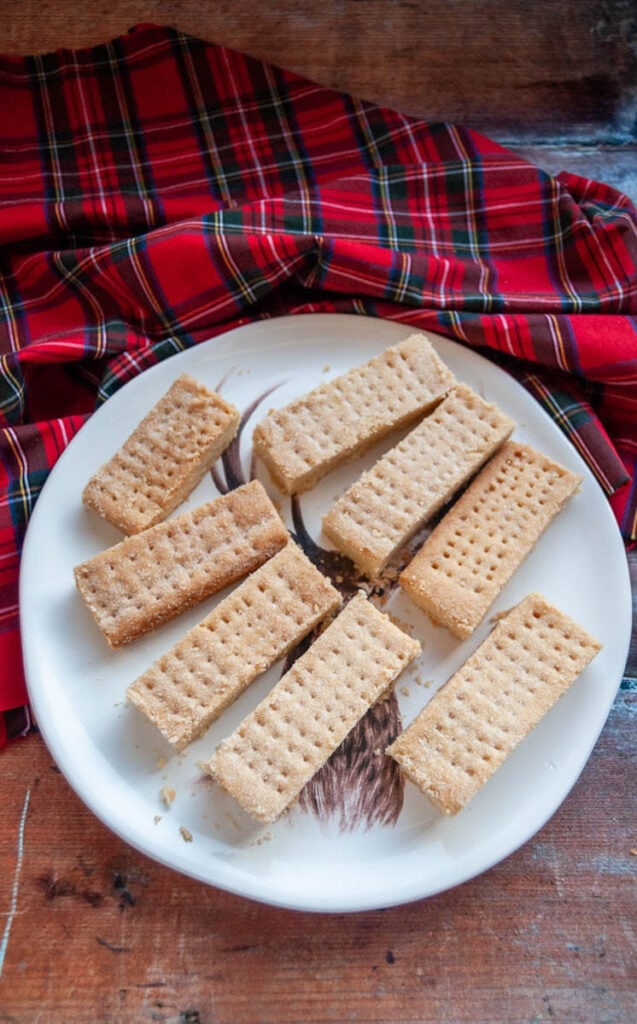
(12, 388)
(130, 364)
(569, 414)
(189, 50)
(133, 134)
(23, 492)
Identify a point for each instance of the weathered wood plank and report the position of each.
(616, 165)
(631, 665)
(539, 69)
(101, 933)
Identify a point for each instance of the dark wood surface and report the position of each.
(552, 78)
(98, 933)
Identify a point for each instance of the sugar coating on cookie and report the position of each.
(189, 686)
(469, 728)
(382, 510)
(342, 418)
(148, 578)
(475, 549)
(164, 458)
(277, 748)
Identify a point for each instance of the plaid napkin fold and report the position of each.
(158, 190)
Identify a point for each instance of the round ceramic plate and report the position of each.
(376, 841)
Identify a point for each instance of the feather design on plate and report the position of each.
(358, 786)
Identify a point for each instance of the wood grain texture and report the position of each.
(536, 66)
(536, 75)
(103, 934)
(97, 932)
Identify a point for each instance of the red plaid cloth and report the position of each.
(157, 190)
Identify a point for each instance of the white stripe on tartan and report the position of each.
(370, 138)
(241, 114)
(25, 492)
(243, 287)
(52, 147)
(139, 55)
(205, 120)
(360, 279)
(71, 276)
(560, 416)
(129, 135)
(472, 228)
(9, 319)
(296, 162)
(387, 208)
(506, 334)
(90, 140)
(558, 238)
(134, 252)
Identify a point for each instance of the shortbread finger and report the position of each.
(164, 458)
(485, 710)
(340, 419)
(258, 623)
(266, 762)
(406, 487)
(152, 576)
(475, 549)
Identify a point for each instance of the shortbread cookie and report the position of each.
(340, 419)
(152, 576)
(164, 458)
(485, 710)
(403, 490)
(258, 623)
(475, 549)
(266, 762)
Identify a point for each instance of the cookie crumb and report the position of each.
(168, 795)
(263, 837)
(186, 835)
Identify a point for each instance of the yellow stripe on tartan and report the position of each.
(383, 177)
(24, 492)
(559, 250)
(297, 163)
(129, 135)
(370, 141)
(248, 140)
(133, 252)
(204, 121)
(562, 419)
(401, 289)
(244, 289)
(558, 339)
(8, 375)
(474, 244)
(73, 276)
(456, 323)
(57, 204)
(9, 317)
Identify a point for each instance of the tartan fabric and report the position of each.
(158, 190)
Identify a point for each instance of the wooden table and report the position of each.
(99, 933)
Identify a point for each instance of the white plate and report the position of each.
(118, 763)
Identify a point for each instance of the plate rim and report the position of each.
(250, 886)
